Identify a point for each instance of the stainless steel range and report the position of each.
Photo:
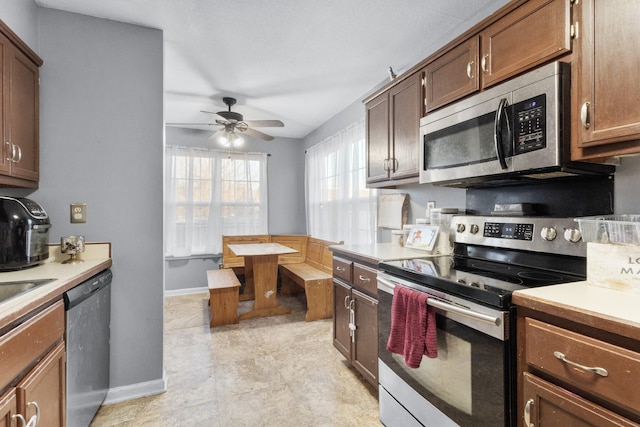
(472, 381)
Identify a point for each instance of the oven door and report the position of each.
(472, 381)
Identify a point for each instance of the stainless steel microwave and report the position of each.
(515, 132)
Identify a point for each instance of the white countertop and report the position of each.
(381, 251)
(606, 303)
(97, 257)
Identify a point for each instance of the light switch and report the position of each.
(78, 213)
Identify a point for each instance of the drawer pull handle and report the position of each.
(527, 413)
(364, 278)
(600, 371)
(341, 269)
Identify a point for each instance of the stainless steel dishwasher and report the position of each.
(88, 317)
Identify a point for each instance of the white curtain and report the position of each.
(339, 206)
(208, 194)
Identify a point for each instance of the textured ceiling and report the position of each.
(299, 61)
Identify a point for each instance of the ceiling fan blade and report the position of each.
(258, 134)
(218, 118)
(191, 124)
(264, 123)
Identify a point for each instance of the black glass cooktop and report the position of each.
(487, 282)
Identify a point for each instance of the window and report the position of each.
(209, 194)
(339, 206)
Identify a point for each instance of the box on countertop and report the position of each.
(614, 266)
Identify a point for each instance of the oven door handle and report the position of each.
(436, 303)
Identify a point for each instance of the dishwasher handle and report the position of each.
(84, 290)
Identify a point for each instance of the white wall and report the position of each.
(285, 170)
(101, 135)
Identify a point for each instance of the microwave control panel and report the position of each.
(530, 124)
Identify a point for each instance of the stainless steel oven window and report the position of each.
(464, 143)
(470, 382)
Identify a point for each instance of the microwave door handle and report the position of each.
(497, 131)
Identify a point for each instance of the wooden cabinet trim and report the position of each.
(25, 344)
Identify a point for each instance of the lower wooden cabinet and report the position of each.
(574, 369)
(42, 392)
(33, 374)
(546, 404)
(355, 317)
(8, 409)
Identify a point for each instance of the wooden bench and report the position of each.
(224, 288)
(314, 276)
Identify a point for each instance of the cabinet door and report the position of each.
(365, 349)
(377, 118)
(341, 333)
(547, 405)
(607, 76)
(453, 75)
(535, 33)
(406, 106)
(5, 150)
(8, 409)
(45, 385)
(23, 114)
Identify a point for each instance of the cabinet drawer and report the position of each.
(548, 404)
(366, 279)
(618, 367)
(342, 269)
(23, 345)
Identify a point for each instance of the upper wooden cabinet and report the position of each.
(393, 124)
(535, 33)
(453, 75)
(605, 79)
(532, 34)
(19, 115)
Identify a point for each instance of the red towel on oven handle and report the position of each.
(413, 327)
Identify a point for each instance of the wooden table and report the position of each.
(261, 276)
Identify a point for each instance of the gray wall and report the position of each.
(285, 168)
(101, 136)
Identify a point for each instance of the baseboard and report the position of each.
(136, 391)
(186, 291)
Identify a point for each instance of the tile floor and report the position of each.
(276, 371)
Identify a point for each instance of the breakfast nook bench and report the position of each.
(224, 287)
(314, 276)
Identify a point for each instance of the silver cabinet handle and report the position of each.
(10, 151)
(19, 417)
(385, 165)
(584, 115)
(341, 269)
(19, 154)
(33, 421)
(527, 413)
(470, 69)
(346, 302)
(364, 279)
(596, 370)
(483, 63)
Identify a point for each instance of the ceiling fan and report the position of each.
(232, 124)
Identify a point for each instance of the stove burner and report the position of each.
(538, 275)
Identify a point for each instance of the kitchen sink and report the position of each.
(9, 290)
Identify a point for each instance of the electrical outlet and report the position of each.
(78, 213)
(431, 205)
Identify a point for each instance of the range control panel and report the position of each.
(538, 234)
